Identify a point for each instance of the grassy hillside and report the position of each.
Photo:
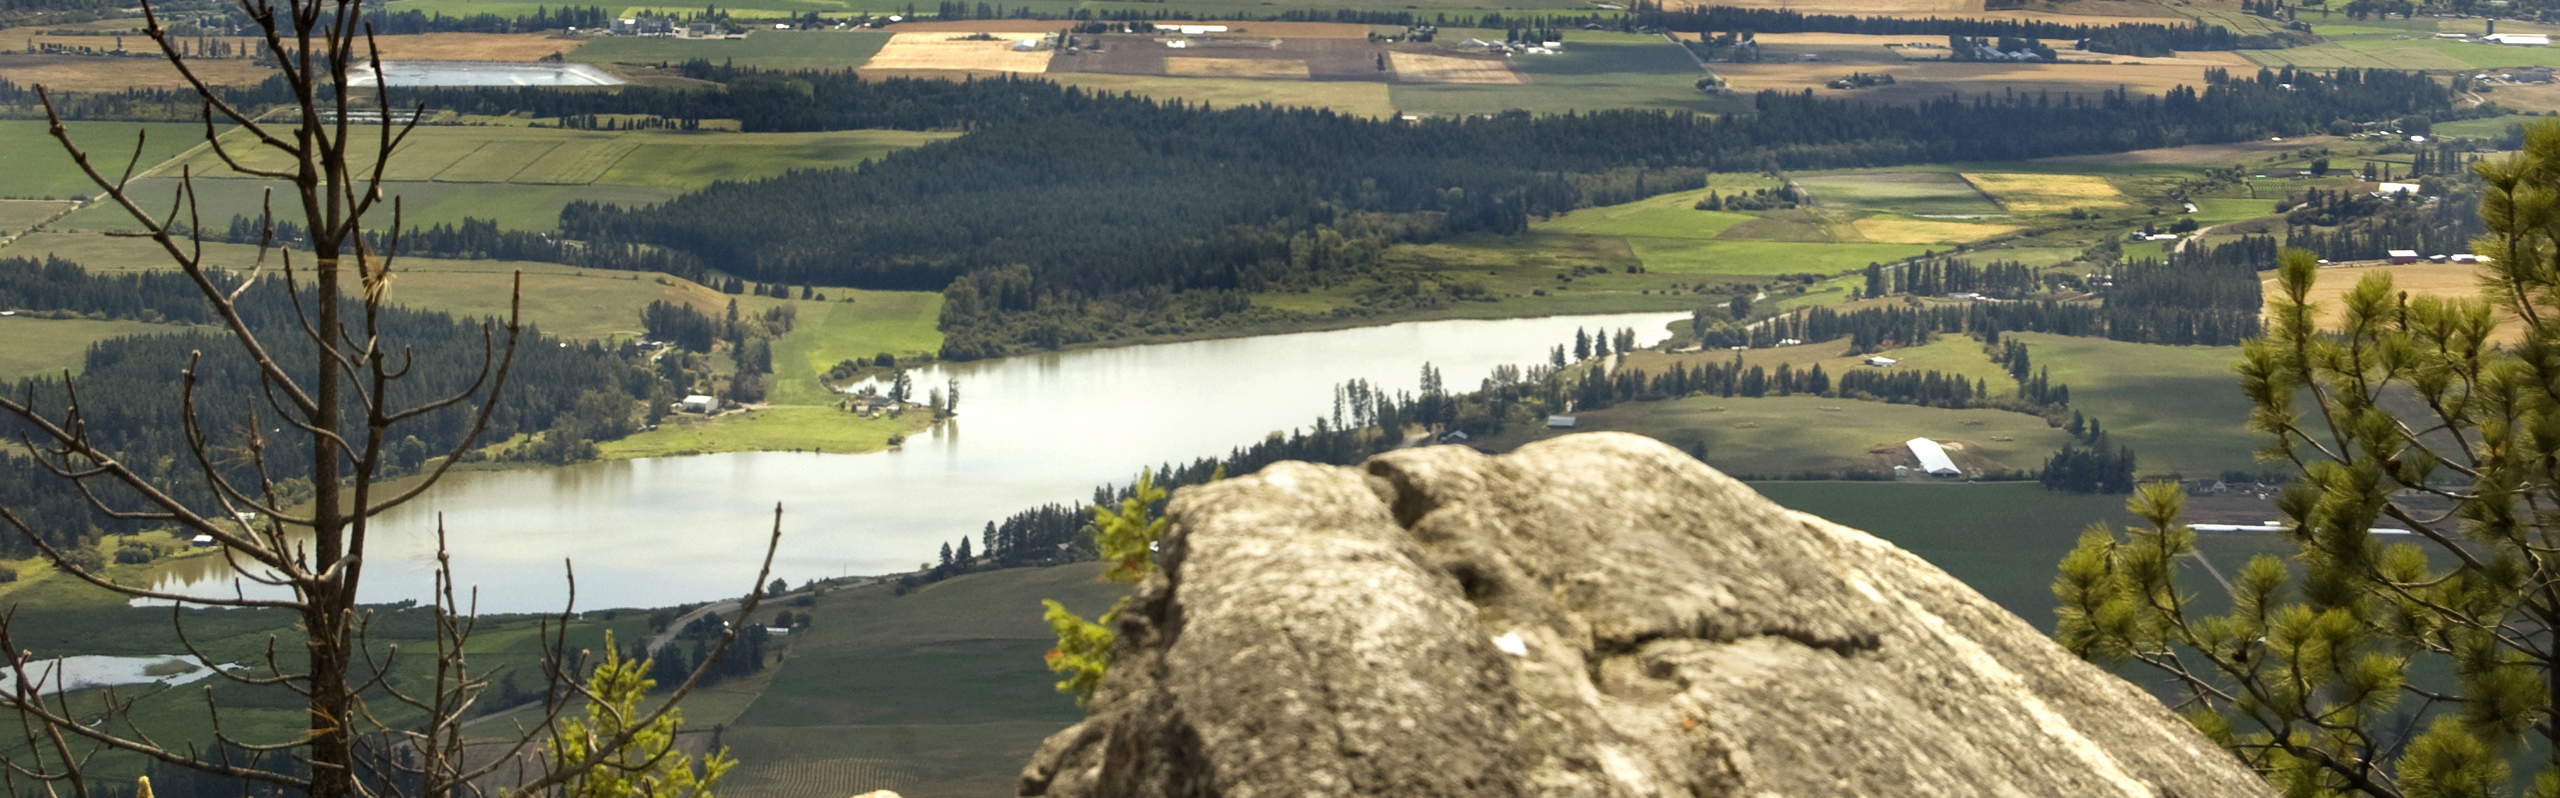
(2179, 407)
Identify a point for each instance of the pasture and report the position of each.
(2003, 539)
(1685, 256)
(1949, 354)
(2179, 407)
(38, 169)
(1781, 436)
(1885, 230)
(765, 49)
(47, 347)
(2047, 193)
(772, 429)
(106, 73)
(18, 215)
(1651, 75)
(1905, 192)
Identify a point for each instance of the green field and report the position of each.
(939, 692)
(2179, 407)
(897, 322)
(1780, 436)
(766, 49)
(664, 158)
(515, 206)
(2488, 128)
(1595, 76)
(38, 169)
(49, 346)
(1666, 216)
(1696, 257)
(1905, 192)
(2217, 210)
(18, 215)
(2003, 539)
(776, 429)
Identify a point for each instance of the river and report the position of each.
(1031, 430)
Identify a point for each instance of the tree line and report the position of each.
(571, 394)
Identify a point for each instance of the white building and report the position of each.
(1880, 361)
(1559, 422)
(698, 403)
(1933, 458)
(2519, 39)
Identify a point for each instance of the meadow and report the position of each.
(1781, 436)
(18, 215)
(1916, 193)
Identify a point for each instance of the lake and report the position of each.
(1031, 430)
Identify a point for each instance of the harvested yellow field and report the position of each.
(1235, 68)
(2027, 193)
(1863, 8)
(2451, 280)
(473, 46)
(1426, 68)
(110, 73)
(945, 50)
(1922, 231)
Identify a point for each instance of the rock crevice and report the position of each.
(1596, 615)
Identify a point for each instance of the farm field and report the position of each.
(2192, 155)
(2179, 407)
(938, 692)
(772, 429)
(2488, 128)
(46, 347)
(106, 73)
(897, 322)
(53, 175)
(1923, 81)
(941, 50)
(2046, 193)
(768, 49)
(522, 177)
(1585, 77)
(1916, 193)
(564, 301)
(1949, 354)
(1694, 257)
(671, 159)
(2449, 280)
(18, 215)
(1536, 273)
(1778, 436)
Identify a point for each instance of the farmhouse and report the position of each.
(1933, 458)
(698, 403)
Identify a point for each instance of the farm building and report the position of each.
(1933, 458)
(2399, 256)
(1880, 361)
(698, 403)
(2388, 189)
(2518, 39)
(1559, 422)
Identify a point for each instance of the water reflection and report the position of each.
(1041, 429)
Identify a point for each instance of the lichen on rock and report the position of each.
(1594, 615)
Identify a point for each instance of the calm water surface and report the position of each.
(1031, 430)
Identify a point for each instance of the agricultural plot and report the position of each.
(2179, 407)
(1667, 216)
(2448, 280)
(1915, 193)
(1923, 81)
(956, 51)
(1236, 68)
(497, 161)
(47, 347)
(1890, 230)
(111, 74)
(2489, 128)
(767, 49)
(1776, 436)
(1653, 75)
(2045, 193)
(38, 169)
(2002, 539)
(2334, 55)
(1684, 256)
(1428, 68)
(18, 215)
(2195, 154)
(516, 206)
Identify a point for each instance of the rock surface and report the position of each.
(1596, 615)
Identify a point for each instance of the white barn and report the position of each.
(698, 403)
(1933, 458)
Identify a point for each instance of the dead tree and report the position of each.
(366, 738)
